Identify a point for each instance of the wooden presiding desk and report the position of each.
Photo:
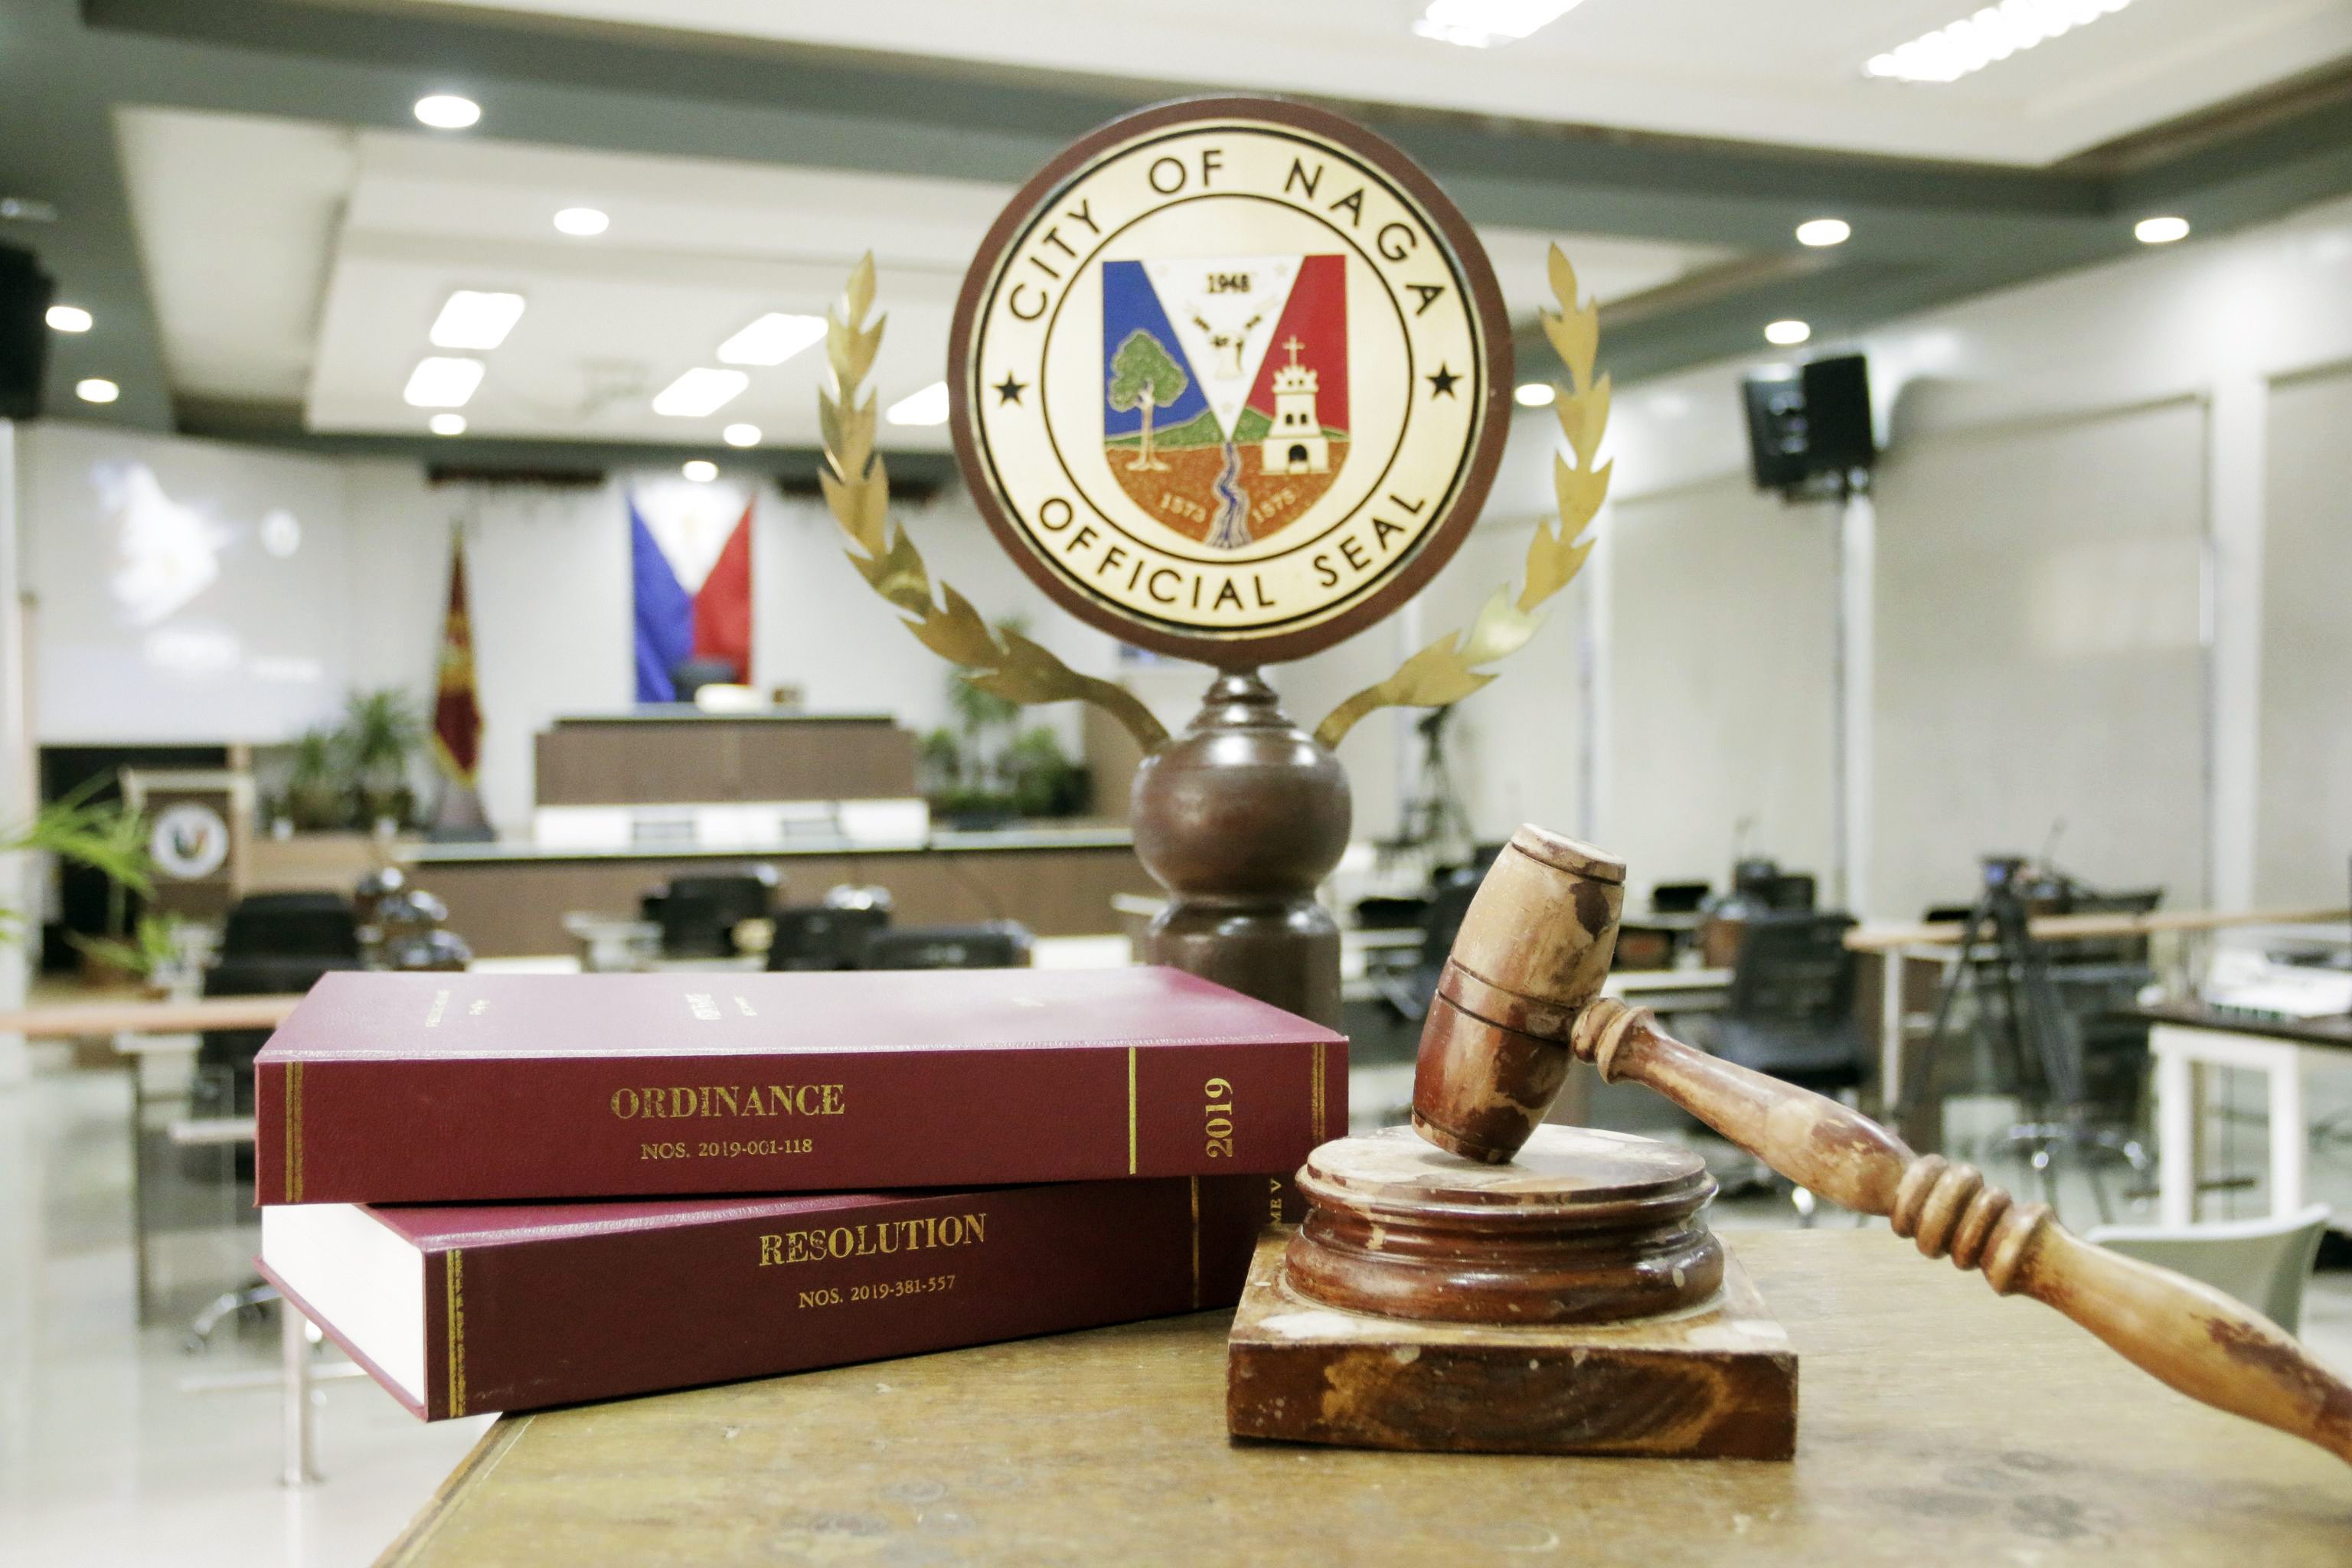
(1940, 1424)
(509, 901)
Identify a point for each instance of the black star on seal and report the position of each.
(1440, 381)
(1009, 390)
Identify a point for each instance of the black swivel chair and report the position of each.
(1790, 1010)
(698, 915)
(1790, 1014)
(990, 944)
(824, 936)
(272, 945)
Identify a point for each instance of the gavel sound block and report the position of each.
(1390, 1318)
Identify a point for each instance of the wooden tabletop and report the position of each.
(1879, 938)
(1937, 1424)
(84, 1020)
(2328, 1029)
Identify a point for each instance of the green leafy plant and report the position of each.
(101, 836)
(383, 731)
(152, 948)
(983, 769)
(317, 793)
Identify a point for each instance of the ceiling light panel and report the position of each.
(1983, 38)
(442, 381)
(701, 391)
(1483, 23)
(582, 222)
(929, 406)
(470, 318)
(448, 111)
(68, 318)
(772, 339)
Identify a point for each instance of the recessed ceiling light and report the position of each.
(699, 391)
(701, 470)
(929, 406)
(1977, 39)
(1787, 334)
(442, 381)
(1535, 395)
(470, 318)
(1482, 24)
(448, 111)
(2160, 230)
(772, 339)
(96, 389)
(581, 222)
(447, 424)
(1821, 231)
(740, 435)
(68, 318)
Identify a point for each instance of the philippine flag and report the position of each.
(690, 554)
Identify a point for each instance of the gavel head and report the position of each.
(1533, 951)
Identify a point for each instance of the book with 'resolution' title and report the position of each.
(457, 1311)
(452, 1087)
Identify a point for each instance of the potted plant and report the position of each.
(383, 732)
(103, 837)
(317, 796)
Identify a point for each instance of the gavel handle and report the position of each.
(2186, 1334)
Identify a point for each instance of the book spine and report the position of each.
(520, 1324)
(438, 1130)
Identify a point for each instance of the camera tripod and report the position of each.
(2038, 1030)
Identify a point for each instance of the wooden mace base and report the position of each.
(1569, 1303)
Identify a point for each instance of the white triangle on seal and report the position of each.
(1224, 309)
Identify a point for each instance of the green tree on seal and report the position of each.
(1144, 375)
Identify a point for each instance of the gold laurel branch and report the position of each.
(857, 485)
(1447, 670)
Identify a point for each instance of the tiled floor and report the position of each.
(110, 1453)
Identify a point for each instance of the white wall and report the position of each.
(2241, 334)
(2305, 827)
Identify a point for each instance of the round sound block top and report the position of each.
(1584, 1226)
(1561, 1172)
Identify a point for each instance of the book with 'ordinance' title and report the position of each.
(451, 1087)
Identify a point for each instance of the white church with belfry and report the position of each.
(1295, 444)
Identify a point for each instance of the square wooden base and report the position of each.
(1717, 1382)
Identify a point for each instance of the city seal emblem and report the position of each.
(1229, 379)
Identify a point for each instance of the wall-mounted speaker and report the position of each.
(24, 294)
(1810, 428)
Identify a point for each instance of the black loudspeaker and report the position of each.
(1777, 431)
(24, 294)
(1837, 414)
(1813, 423)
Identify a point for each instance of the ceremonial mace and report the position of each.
(1496, 1283)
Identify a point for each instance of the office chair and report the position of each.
(698, 915)
(2265, 1263)
(1790, 890)
(1410, 990)
(1678, 898)
(1790, 1013)
(991, 944)
(823, 936)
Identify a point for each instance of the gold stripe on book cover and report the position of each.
(452, 1275)
(1131, 1110)
(1315, 1094)
(293, 1152)
(1196, 1244)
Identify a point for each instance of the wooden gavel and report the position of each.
(1520, 999)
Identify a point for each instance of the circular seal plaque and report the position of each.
(1230, 378)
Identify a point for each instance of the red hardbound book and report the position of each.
(459, 1310)
(440, 1087)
